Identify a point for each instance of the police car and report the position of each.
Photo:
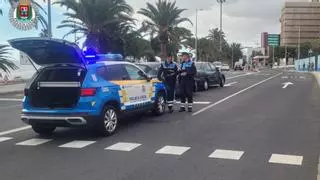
(72, 89)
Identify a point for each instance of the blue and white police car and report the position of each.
(73, 90)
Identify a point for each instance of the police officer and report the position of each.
(187, 73)
(168, 72)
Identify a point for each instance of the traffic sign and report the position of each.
(273, 40)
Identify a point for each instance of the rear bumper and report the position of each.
(58, 121)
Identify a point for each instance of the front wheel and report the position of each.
(205, 85)
(108, 122)
(43, 130)
(222, 82)
(159, 105)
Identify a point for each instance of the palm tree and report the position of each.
(6, 63)
(162, 19)
(101, 22)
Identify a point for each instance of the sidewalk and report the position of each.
(317, 75)
(12, 88)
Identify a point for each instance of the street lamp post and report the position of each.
(309, 65)
(196, 39)
(49, 19)
(221, 3)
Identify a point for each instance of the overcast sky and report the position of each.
(243, 20)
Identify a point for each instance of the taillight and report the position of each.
(26, 92)
(88, 91)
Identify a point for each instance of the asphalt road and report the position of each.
(252, 129)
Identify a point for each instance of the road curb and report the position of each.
(317, 76)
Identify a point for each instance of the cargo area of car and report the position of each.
(57, 87)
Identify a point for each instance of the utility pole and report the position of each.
(221, 4)
(232, 57)
(196, 40)
(299, 41)
(49, 20)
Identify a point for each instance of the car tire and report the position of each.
(43, 130)
(222, 82)
(195, 89)
(205, 85)
(159, 106)
(108, 121)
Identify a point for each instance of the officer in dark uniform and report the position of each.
(168, 72)
(187, 73)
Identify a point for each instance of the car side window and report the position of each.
(115, 72)
(133, 72)
(213, 68)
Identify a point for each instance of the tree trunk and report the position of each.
(163, 50)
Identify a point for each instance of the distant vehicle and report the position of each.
(77, 89)
(217, 64)
(208, 75)
(225, 67)
(238, 66)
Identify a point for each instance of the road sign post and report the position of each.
(274, 41)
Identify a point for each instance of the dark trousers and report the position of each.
(186, 88)
(170, 93)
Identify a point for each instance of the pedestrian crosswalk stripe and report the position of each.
(226, 154)
(77, 144)
(286, 159)
(123, 146)
(173, 150)
(34, 142)
(2, 139)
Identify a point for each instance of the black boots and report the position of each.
(182, 109)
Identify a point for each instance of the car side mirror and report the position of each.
(217, 69)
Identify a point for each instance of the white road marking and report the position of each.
(9, 107)
(302, 77)
(286, 159)
(239, 76)
(284, 77)
(123, 146)
(11, 99)
(198, 102)
(285, 85)
(173, 150)
(318, 175)
(2, 139)
(239, 92)
(33, 142)
(230, 84)
(226, 154)
(14, 130)
(77, 144)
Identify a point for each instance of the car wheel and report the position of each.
(108, 123)
(159, 106)
(43, 130)
(205, 85)
(222, 81)
(195, 86)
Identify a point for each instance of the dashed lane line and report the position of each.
(77, 144)
(246, 74)
(286, 159)
(33, 142)
(14, 130)
(235, 94)
(226, 154)
(11, 99)
(173, 150)
(123, 146)
(2, 139)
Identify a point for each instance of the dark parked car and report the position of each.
(208, 75)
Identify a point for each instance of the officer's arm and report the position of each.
(176, 71)
(160, 73)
